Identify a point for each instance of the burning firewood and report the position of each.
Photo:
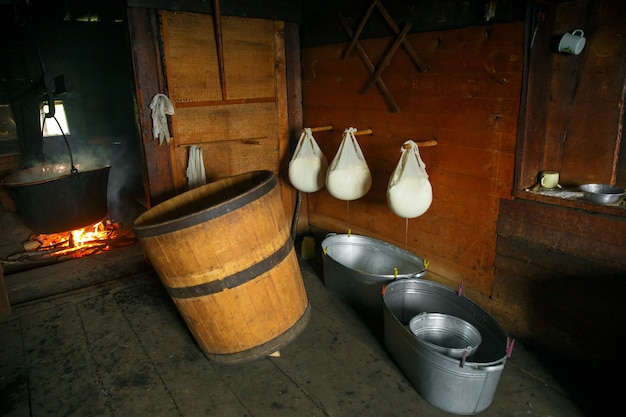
(90, 240)
(31, 245)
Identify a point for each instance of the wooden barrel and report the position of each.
(224, 253)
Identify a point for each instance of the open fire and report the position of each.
(90, 240)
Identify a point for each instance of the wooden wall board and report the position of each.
(558, 275)
(9, 162)
(283, 10)
(535, 97)
(472, 265)
(190, 49)
(249, 57)
(320, 25)
(149, 80)
(5, 305)
(222, 159)
(175, 53)
(249, 128)
(219, 123)
(410, 124)
(288, 106)
(479, 84)
(468, 100)
(574, 117)
(540, 262)
(596, 238)
(587, 92)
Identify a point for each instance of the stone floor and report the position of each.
(101, 337)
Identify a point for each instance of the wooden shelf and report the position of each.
(618, 210)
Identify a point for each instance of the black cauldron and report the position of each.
(55, 198)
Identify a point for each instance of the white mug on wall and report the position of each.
(572, 43)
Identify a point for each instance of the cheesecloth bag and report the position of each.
(307, 168)
(348, 176)
(409, 193)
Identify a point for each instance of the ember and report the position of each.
(99, 237)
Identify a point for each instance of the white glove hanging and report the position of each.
(161, 105)
(409, 193)
(196, 175)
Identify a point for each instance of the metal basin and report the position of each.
(356, 268)
(453, 385)
(52, 199)
(602, 193)
(446, 334)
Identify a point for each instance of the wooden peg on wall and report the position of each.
(321, 128)
(363, 132)
(426, 143)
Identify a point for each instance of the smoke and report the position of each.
(125, 184)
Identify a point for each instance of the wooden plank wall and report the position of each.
(575, 104)
(468, 100)
(240, 122)
(558, 278)
(241, 132)
(144, 33)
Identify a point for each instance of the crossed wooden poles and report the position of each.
(376, 72)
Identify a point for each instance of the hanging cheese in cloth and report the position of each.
(409, 193)
(348, 176)
(308, 166)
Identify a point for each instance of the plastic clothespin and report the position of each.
(383, 289)
(426, 263)
(325, 250)
(459, 289)
(509, 346)
(349, 232)
(395, 272)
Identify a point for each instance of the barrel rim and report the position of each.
(209, 213)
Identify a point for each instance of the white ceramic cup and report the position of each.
(572, 43)
(549, 179)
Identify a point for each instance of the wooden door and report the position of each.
(239, 121)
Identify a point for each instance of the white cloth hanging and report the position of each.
(161, 105)
(196, 175)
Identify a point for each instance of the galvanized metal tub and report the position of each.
(357, 267)
(453, 385)
(447, 334)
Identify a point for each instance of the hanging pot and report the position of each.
(55, 198)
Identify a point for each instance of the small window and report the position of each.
(57, 125)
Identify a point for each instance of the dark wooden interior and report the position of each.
(501, 103)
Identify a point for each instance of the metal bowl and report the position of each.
(602, 193)
(446, 334)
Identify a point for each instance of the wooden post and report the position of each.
(5, 306)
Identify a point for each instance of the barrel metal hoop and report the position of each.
(195, 219)
(236, 279)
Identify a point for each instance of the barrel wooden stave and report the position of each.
(210, 265)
